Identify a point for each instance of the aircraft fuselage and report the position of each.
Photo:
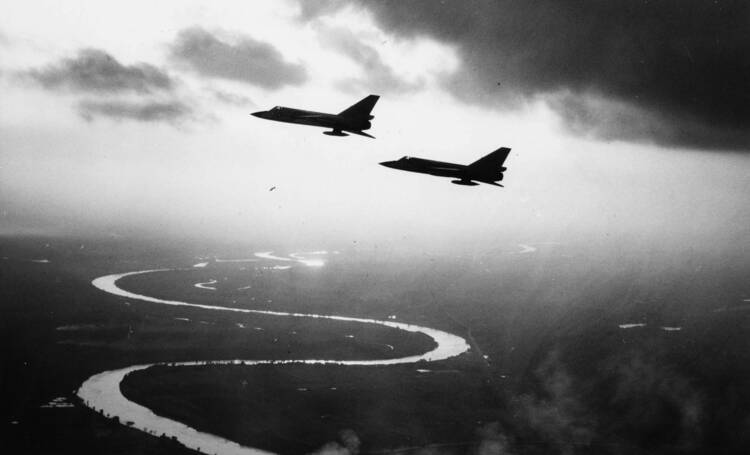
(423, 166)
(354, 119)
(488, 169)
(312, 118)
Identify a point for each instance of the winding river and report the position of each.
(102, 391)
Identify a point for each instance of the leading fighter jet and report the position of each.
(351, 120)
(488, 169)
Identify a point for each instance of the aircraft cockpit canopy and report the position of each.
(405, 158)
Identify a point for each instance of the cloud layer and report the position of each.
(94, 70)
(143, 111)
(377, 76)
(140, 92)
(244, 59)
(685, 64)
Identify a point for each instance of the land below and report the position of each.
(576, 348)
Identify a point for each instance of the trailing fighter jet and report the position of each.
(488, 169)
(351, 120)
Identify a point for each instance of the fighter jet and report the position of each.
(488, 169)
(351, 120)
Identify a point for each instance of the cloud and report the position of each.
(607, 119)
(140, 92)
(348, 444)
(378, 77)
(143, 111)
(94, 70)
(245, 59)
(557, 415)
(492, 441)
(636, 402)
(685, 64)
(655, 400)
(233, 99)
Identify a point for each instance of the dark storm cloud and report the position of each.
(686, 64)
(377, 76)
(94, 70)
(245, 59)
(143, 111)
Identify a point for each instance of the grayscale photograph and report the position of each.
(375, 227)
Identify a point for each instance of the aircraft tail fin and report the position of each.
(361, 109)
(492, 162)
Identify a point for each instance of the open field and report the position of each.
(571, 350)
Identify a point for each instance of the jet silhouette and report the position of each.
(354, 119)
(488, 169)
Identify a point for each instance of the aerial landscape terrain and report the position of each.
(569, 348)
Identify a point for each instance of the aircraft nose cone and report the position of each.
(387, 163)
(259, 114)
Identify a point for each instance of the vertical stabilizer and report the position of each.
(492, 162)
(361, 110)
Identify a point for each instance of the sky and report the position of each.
(625, 119)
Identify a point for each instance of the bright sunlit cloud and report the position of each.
(87, 161)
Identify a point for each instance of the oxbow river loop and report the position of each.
(102, 391)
